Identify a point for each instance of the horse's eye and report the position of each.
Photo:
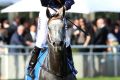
(48, 28)
(54, 43)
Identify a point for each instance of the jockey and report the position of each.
(59, 5)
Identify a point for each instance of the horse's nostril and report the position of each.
(54, 43)
(60, 43)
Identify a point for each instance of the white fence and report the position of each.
(88, 63)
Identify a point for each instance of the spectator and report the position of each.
(30, 37)
(3, 31)
(117, 32)
(100, 36)
(5, 24)
(112, 39)
(36, 21)
(82, 39)
(13, 28)
(118, 22)
(26, 24)
(17, 38)
(16, 22)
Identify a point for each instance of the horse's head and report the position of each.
(56, 47)
(56, 32)
(56, 37)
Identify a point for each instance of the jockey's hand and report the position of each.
(60, 11)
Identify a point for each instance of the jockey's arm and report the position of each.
(68, 4)
(87, 41)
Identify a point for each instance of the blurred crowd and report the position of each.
(101, 31)
(20, 32)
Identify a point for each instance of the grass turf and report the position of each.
(101, 78)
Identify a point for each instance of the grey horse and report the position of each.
(55, 66)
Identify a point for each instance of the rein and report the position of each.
(73, 24)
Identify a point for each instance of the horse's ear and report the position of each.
(48, 13)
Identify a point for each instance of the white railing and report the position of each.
(88, 64)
